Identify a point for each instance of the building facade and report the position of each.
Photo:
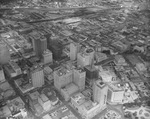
(4, 53)
(79, 76)
(37, 76)
(100, 90)
(47, 57)
(86, 57)
(62, 77)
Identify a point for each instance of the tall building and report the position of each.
(2, 77)
(62, 77)
(74, 49)
(79, 76)
(86, 57)
(37, 76)
(47, 57)
(39, 44)
(91, 72)
(100, 90)
(4, 53)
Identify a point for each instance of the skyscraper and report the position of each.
(86, 57)
(37, 76)
(100, 90)
(79, 76)
(74, 49)
(39, 44)
(4, 53)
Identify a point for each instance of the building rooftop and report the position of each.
(34, 95)
(88, 105)
(116, 87)
(70, 88)
(79, 98)
(100, 84)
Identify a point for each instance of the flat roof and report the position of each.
(79, 98)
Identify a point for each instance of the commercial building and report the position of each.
(47, 57)
(91, 72)
(33, 102)
(48, 73)
(15, 67)
(100, 90)
(74, 49)
(85, 107)
(85, 57)
(100, 56)
(12, 69)
(44, 102)
(79, 76)
(37, 76)
(115, 94)
(119, 60)
(62, 77)
(4, 53)
(108, 76)
(2, 77)
(69, 90)
(39, 43)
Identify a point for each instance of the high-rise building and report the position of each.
(91, 72)
(4, 53)
(86, 57)
(62, 77)
(39, 44)
(74, 49)
(100, 90)
(2, 77)
(79, 76)
(37, 76)
(47, 57)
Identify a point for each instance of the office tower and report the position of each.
(79, 78)
(91, 72)
(2, 77)
(56, 47)
(43, 43)
(39, 44)
(86, 57)
(74, 49)
(62, 77)
(37, 76)
(4, 53)
(47, 57)
(100, 90)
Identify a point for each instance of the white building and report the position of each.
(100, 90)
(47, 57)
(86, 57)
(86, 108)
(108, 76)
(37, 76)
(44, 102)
(74, 49)
(115, 94)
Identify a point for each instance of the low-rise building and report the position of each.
(115, 94)
(44, 102)
(69, 90)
